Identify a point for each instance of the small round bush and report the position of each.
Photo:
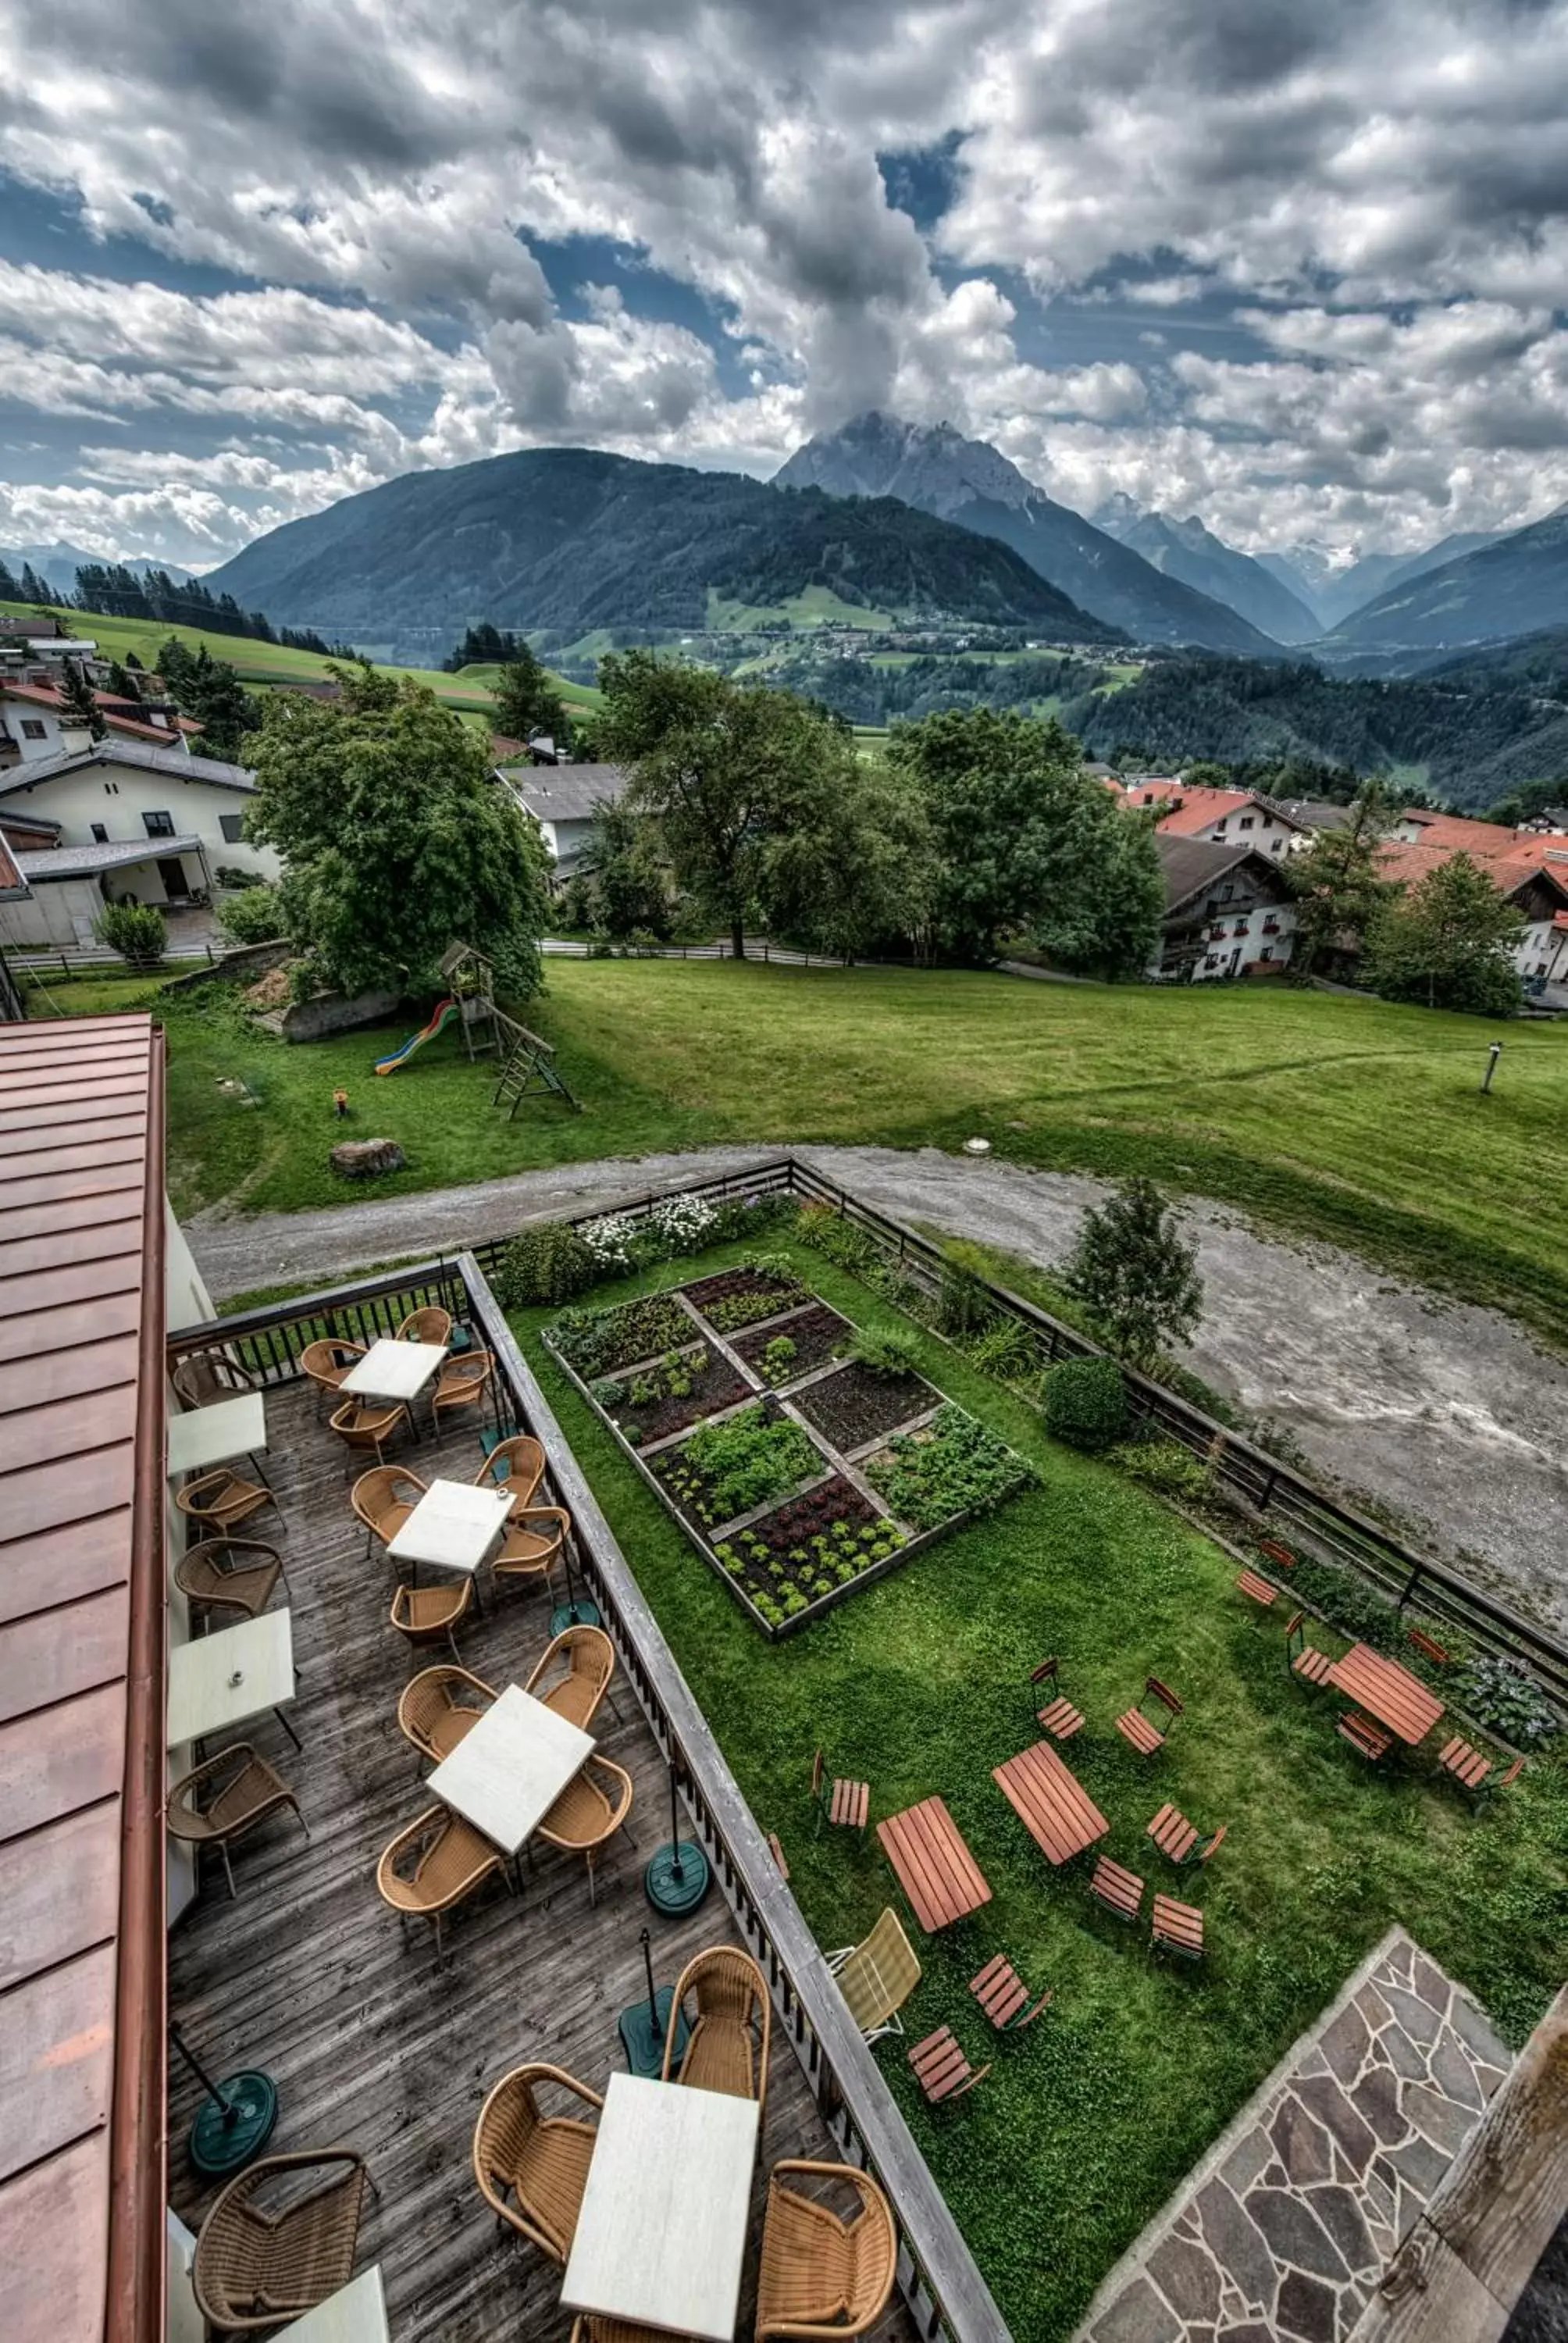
(251, 917)
(134, 931)
(546, 1265)
(1085, 1403)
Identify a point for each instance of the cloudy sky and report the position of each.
(1300, 268)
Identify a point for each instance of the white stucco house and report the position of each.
(1229, 912)
(561, 799)
(127, 819)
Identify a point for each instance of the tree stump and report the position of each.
(367, 1159)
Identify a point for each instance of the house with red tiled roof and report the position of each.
(1530, 867)
(1229, 910)
(1219, 817)
(36, 722)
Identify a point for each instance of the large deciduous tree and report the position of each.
(1026, 843)
(397, 839)
(1447, 942)
(1337, 884)
(1137, 1273)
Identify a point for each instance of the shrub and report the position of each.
(545, 1266)
(887, 1351)
(134, 931)
(1006, 1349)
(1166, 1466)
(1502, 1693)
(1085, 1403)
(251, 917)
(839, 1240)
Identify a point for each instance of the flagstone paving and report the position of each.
(1279, 2234)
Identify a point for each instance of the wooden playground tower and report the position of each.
(527, 1060)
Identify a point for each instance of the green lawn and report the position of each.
(1347, 1119)
(919, 1685)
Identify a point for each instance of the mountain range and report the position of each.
(934, 467)
(1511, 585)
(567, 540)
(1336, 594)
(1189, 551)
(58, 563)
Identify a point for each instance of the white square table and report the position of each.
(203, 1693)
(661, 2235)
(453, 1526)
(508, 1769)
(205, 1436)
(356, 2313)
(391, 1370)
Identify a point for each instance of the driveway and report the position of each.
(1448, 1415)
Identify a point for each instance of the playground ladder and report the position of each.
(527, 1067)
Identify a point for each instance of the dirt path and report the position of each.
(1449, 1413)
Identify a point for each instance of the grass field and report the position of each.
(919, 1686)
(1347, 1119)
(266, 664)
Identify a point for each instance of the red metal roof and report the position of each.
(81, 1678)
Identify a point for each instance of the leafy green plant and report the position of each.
(887, 1351)
(962, 1306)
(779, 1358)
(956, 1466)
(136, 930)
(745, 1460)
(598, 1342)
(1502, 1693)
(544, 1265)
(1166, 1466)
(734, 1311)
(1006, 1349)
(839, 1240)
(251, 917)
(1085, 1403)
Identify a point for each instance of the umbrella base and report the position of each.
(225, 2137)
(580, 1614)
(672, 1892)
(644, 2048)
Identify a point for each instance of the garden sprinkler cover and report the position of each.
(977, 1147)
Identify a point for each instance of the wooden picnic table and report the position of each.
(1053, 1806)
(936, 1870)
(1387, 1692)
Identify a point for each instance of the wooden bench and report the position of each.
(1137, 1729)
(1280, 1556)
(1003, 1995)
(1061, 1720)
(848, 1803)
(1119, 1890)
(1257, 1590)
(1362, 1734)
(1306, 1662)
(1422, 1642)
(942, 2068)
(1473, 1770)
(1177, 1927)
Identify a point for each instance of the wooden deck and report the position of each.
(307, 1974)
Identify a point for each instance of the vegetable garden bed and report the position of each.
(750, 1445)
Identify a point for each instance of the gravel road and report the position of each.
(1447, 1412)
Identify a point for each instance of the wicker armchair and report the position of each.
(532, 1544)
(433, 1865)
(518, 1466)
(369, 1424)
(532, 2168)
(428, 1325)
(462, 1382)
(439, 1706)
(383, 1500)
(236, 1800)
(219, 1500)
(727, 2049)
(426, 1613)
(820, 2275)
(326, 1363)
(589, 1811)
(209, 1375)
(589, 1657)
(229, 1573)
(255, 2265)
(592, 2329)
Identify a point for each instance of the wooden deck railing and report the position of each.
(941, 2284)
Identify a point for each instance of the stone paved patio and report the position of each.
(1282, 2229)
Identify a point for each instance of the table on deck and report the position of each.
(205, 1436)
(226, 1678)
(1387, 1692)
(661, 2235)
(391, 1370)
(1052, 1803)
(935, 1868)
(356, 2313)
(510, 1768)
(453, 1526)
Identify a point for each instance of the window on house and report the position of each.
(233, 827)
(1246, 821)
(1212, 961)
(158, 825)
(34, 729)
(100, 834)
